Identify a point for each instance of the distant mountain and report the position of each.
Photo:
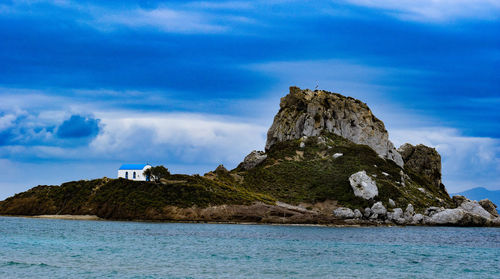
(480, 193)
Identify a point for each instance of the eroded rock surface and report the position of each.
(363, 186)
(253, 159)
(423, 160)
(489, 206)
(309, 113)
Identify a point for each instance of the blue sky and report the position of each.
(87, 85)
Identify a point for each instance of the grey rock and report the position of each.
(456, 216)
(458, 200)
(489, 206)
(423, 160)
(417, 218)
(336, 155)
(392, 203)
(363, 186)
(357, 214)
(253, 159)
(379, 208)
(409, 212)
(396, 216)
(310, 113)
(433, 210)
(344, 213)
(475, 208)
(368, 212)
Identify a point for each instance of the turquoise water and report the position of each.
(42, 248)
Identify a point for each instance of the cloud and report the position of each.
(435, 10)
(177, 138)
(162, 18)
(78, 126)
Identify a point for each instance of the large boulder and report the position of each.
(475, 208)
(363, 186)
(456, 217)
(424, 161)
(344, 213)
(252, 160)
(379, 209)
(310, 113)
(489, 206)
(396, 216)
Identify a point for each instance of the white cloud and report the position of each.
(163, 18)
(435, 10)
(185, 138)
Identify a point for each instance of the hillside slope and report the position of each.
(327, 160)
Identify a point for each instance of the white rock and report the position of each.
(344, 213)
(253, 159)
(447, 216)
(336, 155)
(409, 212)
(384, 173)
(397, 213)
(302, 144)
(475, 208)
(392, 203)
(417, 218)
(363, 186)
(368, 212)
(379, 208)
(422, 190)
(433, 210)
(374, 216)
(357, 214)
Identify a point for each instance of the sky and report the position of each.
(88, 85)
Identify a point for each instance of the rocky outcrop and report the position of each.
(489, 206)
(379, 210)
(363, 186)
(310, 113)
(253, 159)
(343, 212)
(424, 161)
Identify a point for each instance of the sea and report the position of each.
(48, 248)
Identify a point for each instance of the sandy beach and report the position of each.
(68, 217)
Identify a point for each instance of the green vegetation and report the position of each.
(126, 199)
(157, 173)
(311, 174)
(290, 174)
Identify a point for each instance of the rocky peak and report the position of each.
(423, 160)
(309, 113)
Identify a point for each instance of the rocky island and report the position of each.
(327, 160)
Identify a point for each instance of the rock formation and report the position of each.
(363, 186)
(253, 159)
(310, 113)
(423, 160)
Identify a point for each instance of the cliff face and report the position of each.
(423, 160)
(309, 113)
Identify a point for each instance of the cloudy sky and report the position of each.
(88, 85)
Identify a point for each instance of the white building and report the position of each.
(133, 172)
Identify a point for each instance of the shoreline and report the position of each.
(96, 218)
(345, 225)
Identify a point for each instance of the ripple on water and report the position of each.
(85, 249)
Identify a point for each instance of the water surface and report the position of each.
(44, 248)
